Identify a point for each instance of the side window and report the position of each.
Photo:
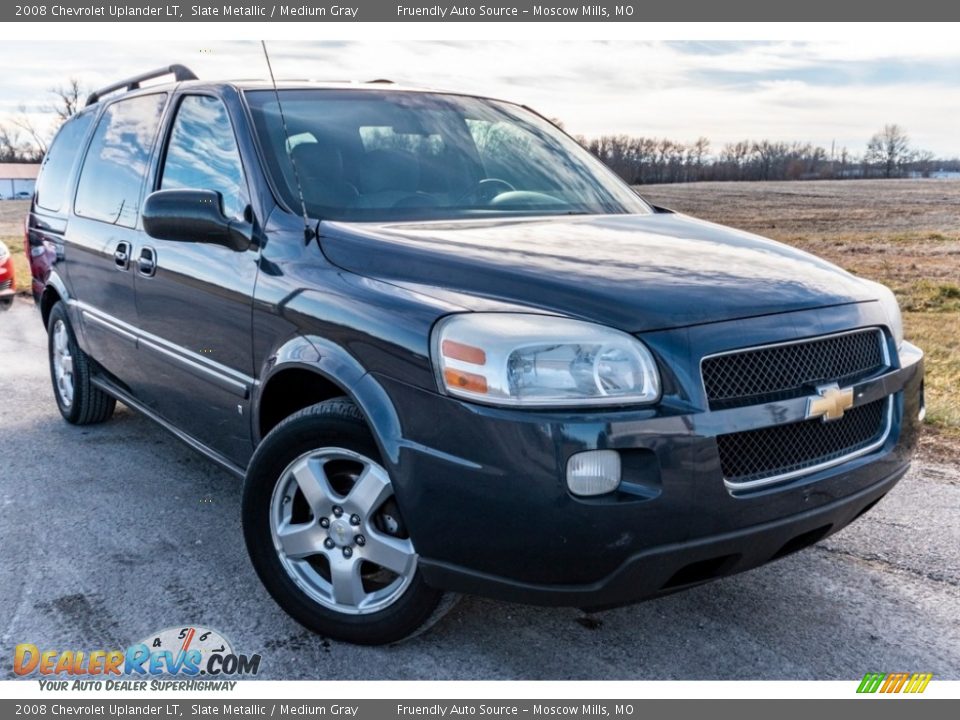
(202, 153)
(53, 183)
(117, 161)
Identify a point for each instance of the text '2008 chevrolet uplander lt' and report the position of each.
(450, 352)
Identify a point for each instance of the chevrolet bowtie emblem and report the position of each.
(830, 403)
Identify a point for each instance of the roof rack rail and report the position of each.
(179, 72)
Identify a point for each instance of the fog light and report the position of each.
(595, 472)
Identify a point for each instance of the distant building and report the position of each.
(17, 178)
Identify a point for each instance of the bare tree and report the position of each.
(68, 102)
(734, 157)
(8, 145)
(922, 161)
(844, 161)
(698, 154)
(13, 148)
(889, 149)
(23, 121)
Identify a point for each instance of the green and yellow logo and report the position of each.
(894, 682)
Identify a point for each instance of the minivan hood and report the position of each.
(634, 272)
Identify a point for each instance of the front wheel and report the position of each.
(325, 534)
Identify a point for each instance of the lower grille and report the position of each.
(782, 452)
(6, 284)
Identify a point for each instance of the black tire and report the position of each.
(89, 403)
(335, 423)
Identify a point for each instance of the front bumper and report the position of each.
(484, 493)
(668, 568)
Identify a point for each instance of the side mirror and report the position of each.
(193, 216)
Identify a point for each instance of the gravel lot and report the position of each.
(111, 532)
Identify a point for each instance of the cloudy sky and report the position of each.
(826, 92)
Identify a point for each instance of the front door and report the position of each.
(194, 300)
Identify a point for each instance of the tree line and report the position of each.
(638, 160)
(645, 160)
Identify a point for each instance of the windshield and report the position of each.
(369, 155)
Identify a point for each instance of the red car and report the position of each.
(7, 286)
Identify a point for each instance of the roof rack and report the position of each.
(179, 72)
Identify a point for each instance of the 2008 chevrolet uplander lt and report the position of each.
(449, 351)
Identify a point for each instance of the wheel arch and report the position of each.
(308, 369)
(54, 291)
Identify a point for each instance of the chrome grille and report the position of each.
(784, 451)
(6, 284)
(779, 372)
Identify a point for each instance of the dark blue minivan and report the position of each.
(449, 351)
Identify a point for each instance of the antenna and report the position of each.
(308, 232)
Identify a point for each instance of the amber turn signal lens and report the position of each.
(465, 381)
(467, 353)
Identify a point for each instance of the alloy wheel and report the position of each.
(63, 363)
(338, 534)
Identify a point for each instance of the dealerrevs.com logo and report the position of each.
(189, 652)
(892, 683)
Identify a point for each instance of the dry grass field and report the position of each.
(904, 233)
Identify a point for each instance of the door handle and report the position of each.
(121, 256)
(147, 263)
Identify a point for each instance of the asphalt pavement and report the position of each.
(110, 533)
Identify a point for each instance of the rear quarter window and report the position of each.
(53, 184)
(111, 181)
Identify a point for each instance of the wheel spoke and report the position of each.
(67, 365)
(388, 552)
(312, 481)
(370, 491)
(300, 540)
(345, 581)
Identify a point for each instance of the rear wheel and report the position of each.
(79, 401)
(325, 533)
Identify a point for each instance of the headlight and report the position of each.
(892, 309)
(541, 360)
(4, 253)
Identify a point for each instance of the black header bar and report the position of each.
(486, 11)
